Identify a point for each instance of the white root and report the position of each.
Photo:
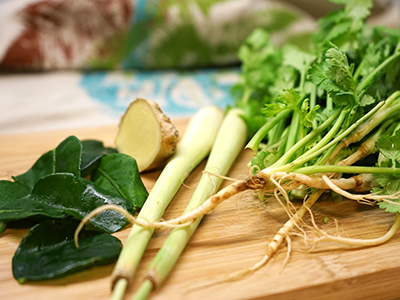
(295, 219)
(361, 182)
(253, 183)
(137, 221)
(369, 199)
(283, 234)
(276, 242)
(360, 242)
(288, 252)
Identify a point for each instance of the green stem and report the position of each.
(293, 131)
(313, 102)
(331, 133)
(191, 150)
(383, 65)
(327, 137)
(279, 131)
(329, 104)
(346, 169)
(263, 131)
(302, 81)
(246, 96)
(229, 143)
(284, 159)
(397, 47)
(304, 158)
(357, 73)
(324, 158)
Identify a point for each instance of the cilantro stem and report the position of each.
(313, 134)
(246, 96)
(313, 102)
(367, 81)
(346, 169)
(331, 133)
(329, 104)
(279, 130)
(279, 165)
(293, 131)
(263, 131)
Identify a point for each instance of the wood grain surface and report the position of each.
(232, 238)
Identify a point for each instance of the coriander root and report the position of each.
(264, 182)
(253, 183)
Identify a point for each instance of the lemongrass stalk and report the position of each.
(191, 150)
(119, 289)
(228, 144)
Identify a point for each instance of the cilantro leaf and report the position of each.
(260, 60)
(294, 57)
(389, 147)
(271, 110)
(367, 100)
(288, 99)
(344, 27)
(390, 185)
(391, 207)
(308, 115)
(334, 75)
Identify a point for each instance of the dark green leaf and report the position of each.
(65, 158)
(43, 166)
(393, 207)
(287, 99)
(3, 226)
(335, 75)
(59, 194)
(12, 191)
(48, 251)
(92, 152)
(119, 173)
(389, 148)
(68, 156)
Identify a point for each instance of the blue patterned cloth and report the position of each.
(179, 94)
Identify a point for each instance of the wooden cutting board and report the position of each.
(232, 238)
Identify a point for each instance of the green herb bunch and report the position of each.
(307, 110)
